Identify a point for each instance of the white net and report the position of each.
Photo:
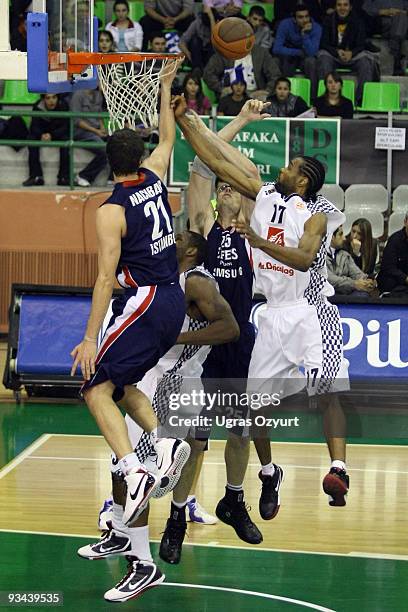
(131, 91)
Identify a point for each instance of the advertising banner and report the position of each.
(270, 144)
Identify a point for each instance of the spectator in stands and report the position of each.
(393, 275)
(283, 103)
(18, 31)
(157, 43)
(193, 94)
(225, 8)
(91, 129)
(166, 15)
(297, 44)
(195, 43)
(232, 104)
(106, 43)
(332, 103)
(342, 45)
(13, 128)
(393, 24)
(342, 272)
(258, 69)
(263, 34)
(127, 34)
(48, 129)
(283, 9)
(362, 246)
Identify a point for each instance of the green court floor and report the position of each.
(210, 579)
(346, 584)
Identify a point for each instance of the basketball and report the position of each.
(233, 37)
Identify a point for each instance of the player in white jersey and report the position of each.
(209, 320)
(290, 230)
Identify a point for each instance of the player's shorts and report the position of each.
(231, 360)
(158, 387)
(145, 324)
(294, 337)
(225, 374)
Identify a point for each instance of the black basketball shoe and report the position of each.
(141, 575)
(234, 512)
(269, 502)
(172, 541)
(336, 485)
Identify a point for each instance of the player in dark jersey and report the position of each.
(208, 320)
(226, 367)
(136, 244)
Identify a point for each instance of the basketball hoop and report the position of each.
(130, 83)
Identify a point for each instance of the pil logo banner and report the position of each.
(276, 235)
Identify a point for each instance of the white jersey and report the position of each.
(281, 220)
(185, 360)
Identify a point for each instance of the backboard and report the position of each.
(54, 27)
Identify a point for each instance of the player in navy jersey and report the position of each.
(208, 320)
(226, 367)
(136, 244)
(291, 225)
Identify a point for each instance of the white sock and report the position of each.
(179, 505)
(235, 487)
(128, 462)
(191, 498)
(338, 464)
(268, 469)
(154, 436)
(117, 519)
(139, 537)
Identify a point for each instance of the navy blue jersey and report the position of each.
(229, 261)
(148, 251)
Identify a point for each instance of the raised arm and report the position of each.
(222, 327)
(300, 257)
(199, 191)
(211, 149)
(159, 160)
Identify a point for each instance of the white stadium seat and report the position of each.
(400, 198)
(374, 217)
(373, 197)
(334, 193)
(396, 222)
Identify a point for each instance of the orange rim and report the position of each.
(78, 61)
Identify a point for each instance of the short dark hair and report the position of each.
(197, 241)
(124, 150)
(314, 170)
(106, 33)
(257, 10)
(283, 79)
(156, 34)
(301, 6)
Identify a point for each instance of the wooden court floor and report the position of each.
(65, 477)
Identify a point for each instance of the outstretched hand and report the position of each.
(179, 105)
(170, 70)
(247, 232)
(254, 110)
